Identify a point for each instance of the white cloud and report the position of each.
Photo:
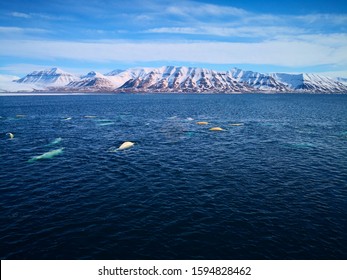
(14, 29)
(190, 8)
(241, 32)
(293, 53)
(332, 40)
(335, 19)
(20, 15)
(22, 68)
(43, 16)
(335, 74)
(7, 84)
(190, 17)
(174, 30)
(8, 78)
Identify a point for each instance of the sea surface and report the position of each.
(271, 185)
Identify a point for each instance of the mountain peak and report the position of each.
(93, 74)
(56, 70)
(51, 71)
(52, 76)
(114, 72)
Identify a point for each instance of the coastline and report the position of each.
(165, 93)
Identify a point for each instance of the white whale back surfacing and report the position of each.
(56, 141)
(47, 155)
(125, 145)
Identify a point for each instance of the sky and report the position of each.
(103, 35)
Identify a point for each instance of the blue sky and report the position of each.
(102, 35)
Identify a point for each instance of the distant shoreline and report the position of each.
(154, 93)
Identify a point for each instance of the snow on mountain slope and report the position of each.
(257, 80)
(93, 74)
(114, 72)
(119, 78)
(49, 77)
(181, 79)
(185, 79)
(93, 81)
(342, 80)
(310, 82)
(191, 79)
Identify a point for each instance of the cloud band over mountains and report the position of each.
(193, 32)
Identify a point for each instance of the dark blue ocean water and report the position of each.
(274, 187)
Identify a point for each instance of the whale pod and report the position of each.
(125, 145)
(47, 155)
(202, 123)
(216, 129)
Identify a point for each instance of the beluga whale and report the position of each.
(236, 124)
(216, 129)
(47, 155)
(125, 145)
(10, 135)
(55, 141)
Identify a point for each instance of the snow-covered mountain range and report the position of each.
(175, 79)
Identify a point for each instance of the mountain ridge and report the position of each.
(178, 79)
(54, 76)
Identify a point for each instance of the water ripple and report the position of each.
(273, 188)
